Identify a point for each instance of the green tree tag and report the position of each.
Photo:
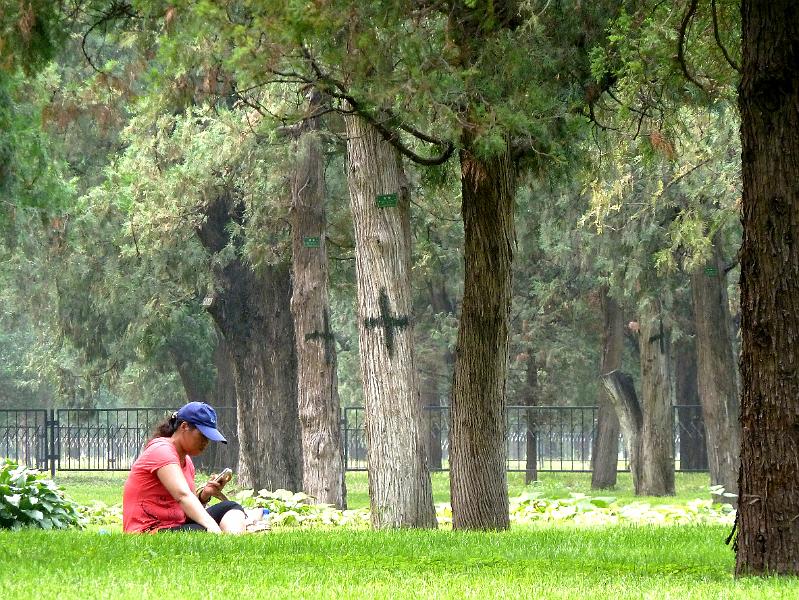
(386, 200)
(310, 242)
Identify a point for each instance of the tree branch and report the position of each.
(337, 89)
(118, 9)
(681, 44)
(729, 59)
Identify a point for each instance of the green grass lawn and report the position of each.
(526, 562)
(529, 561)
(107, 486)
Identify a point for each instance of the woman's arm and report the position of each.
(175, 483)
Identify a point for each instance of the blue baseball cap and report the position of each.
(203, 417)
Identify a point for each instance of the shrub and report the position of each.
(29, 499)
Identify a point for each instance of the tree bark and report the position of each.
(717, 381)
(657, 437)
(621, 392)
(693, 448)
(605, 447)
(477, 438)
(251, 309)
(400, 490)
(225, 394)
(317, 380)
(768, 539)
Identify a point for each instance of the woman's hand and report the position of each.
(210, 489)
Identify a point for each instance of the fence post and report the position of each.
(344, 437)
(50, 425)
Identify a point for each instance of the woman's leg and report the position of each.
(233, 521)
(230, 516)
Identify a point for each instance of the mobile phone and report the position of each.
(224, 476)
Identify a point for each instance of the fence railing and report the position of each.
(77, 439)
(561, 438)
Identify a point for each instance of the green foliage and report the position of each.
(535, 506)
(556, 325)
(510, 70)
(108, 175)
(665, 184)
(97, 514)
(582, 510)
(290, 509)
(29, 499)
(30, 33)
(32, 178)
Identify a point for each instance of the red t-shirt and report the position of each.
(146, 503)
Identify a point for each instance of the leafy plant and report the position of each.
(29, 499)
(99, 513)
(549, 508)
(289, 509)
(583, 510)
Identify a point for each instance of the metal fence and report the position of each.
(76, 439)
(111, 439)
(562, 437)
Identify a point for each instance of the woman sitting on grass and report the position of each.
(158, 493)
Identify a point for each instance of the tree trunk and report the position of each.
(225, 396)
(768, 539)
(718, 389)
(430, 400)
(477, 438)
(436, 374)
(693, 448)
(657, 432)
(252, 312)
(530, 399)
(605, 448)
(317, 381)
(400, 491)
(621, 392)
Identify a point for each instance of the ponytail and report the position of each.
(168, 426)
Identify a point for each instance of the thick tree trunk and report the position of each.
(717, 382)
(621, 392)
(317, 382)
(400, 491)
(657, 432)
(768, 539)
(693, 449)
(225, 394)
(477, 438)
(605, 448)
(252, 312)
